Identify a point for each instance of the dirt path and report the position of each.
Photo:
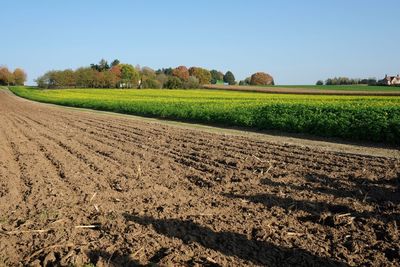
(79, 187)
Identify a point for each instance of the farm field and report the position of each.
(343, 87)
(355, 90)
(78, 188)
(368, 118)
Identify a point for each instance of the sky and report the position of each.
(297, 42)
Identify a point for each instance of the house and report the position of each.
(391, 80)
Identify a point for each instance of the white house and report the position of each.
(391, 80)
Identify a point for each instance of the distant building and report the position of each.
(391, 80)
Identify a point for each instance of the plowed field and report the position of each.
(78, 188)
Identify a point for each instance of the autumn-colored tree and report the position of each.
(216, 76)
(181, 72)
(105, 79)
(67, 78)
(229, 78)
(6, 77)
(261, 78)
(117, 71)
(99, 79)
(203, 75)
(113, 77)
(19, 76)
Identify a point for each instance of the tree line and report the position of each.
(119, 75)
(16, 77)
(348, 81)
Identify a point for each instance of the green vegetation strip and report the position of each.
(341, 87)
(367, 118)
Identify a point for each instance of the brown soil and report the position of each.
(79, 187)
(301, 91)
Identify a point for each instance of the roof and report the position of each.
(390, 78)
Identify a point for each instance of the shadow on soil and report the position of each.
(382, 194)
(233, 244)
(365, 190)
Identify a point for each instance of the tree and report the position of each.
(115, 63)
(344, 81)
(41, 81)
(102, 66)
(372, 81)
(129, 76)
(261, 78)
(216, 76)
(320, 82)
(151, 84)
(85, 77)
(111, 79)
(245, 81)
(173, 83)
(19, 76)
(167, 71)
(6, 77)
(162, 78)
(203, 75)
(181, 72)
(191, 83)
(229, 78)
(68, 78)
(117, 71)
(50, 79)
(147, 73)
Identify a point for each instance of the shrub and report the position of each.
(191, 83)
(173, 83)
(151, 84)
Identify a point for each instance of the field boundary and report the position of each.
(303, 140)
(300, 91)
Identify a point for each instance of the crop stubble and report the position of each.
(79, 187)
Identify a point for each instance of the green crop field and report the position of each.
(342, 87)
(370, 118)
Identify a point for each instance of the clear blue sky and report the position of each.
(298, 42)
